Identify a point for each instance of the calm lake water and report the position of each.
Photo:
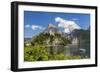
(72, 50)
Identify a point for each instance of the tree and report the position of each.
(35, 53)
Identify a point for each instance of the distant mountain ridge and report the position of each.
(27, 39)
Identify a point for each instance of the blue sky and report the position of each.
(36, 22)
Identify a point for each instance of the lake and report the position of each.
(71, 50)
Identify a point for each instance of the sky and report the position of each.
(35, 22)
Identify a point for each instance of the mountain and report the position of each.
(52, 29)
(27, 39)
(84, 34)
(51, 36)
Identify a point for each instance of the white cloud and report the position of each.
(68, 25)
(27, 26)
(35, 27)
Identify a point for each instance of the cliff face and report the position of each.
(51, 36)
(51, 29)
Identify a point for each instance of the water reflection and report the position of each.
(71, 50)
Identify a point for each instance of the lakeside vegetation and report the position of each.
(40, 53)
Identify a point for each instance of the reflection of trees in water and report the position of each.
(70, 50)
